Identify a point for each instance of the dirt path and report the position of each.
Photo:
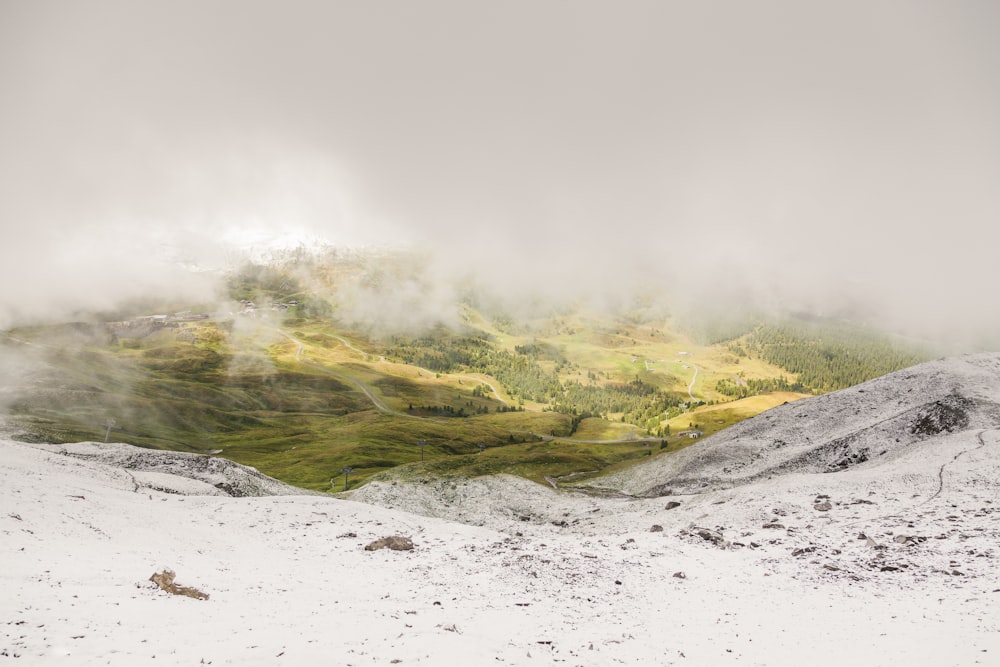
(605, 442)
(683, 365)
(365, 389)
(348, 345)
(488, 384)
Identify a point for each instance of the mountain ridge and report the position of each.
(836, 431)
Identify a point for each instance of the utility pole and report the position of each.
(482, 447)
(422, 443)
(347, 475)
(111, 423)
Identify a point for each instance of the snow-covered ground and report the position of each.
(889, 561)
(863, 426)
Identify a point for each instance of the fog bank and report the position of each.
(829, 158)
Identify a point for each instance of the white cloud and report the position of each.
(786, 146)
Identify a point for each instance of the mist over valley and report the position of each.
(524, 332)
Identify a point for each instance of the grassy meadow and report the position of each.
(302, 396)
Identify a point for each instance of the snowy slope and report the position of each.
(890, 561)
(179, 472)
(860, 426)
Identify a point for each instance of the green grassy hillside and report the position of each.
(279, 382)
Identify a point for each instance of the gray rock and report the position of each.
(711, 535)
(394, 542)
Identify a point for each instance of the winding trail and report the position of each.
(605, 442)
(613, 441)
(683, 365)
(365, 389)
(351, 347)
(691, 386)
(490, 385)
(347, 344)
(940, 475)
(982, 443)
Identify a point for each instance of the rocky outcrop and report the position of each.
(214, 475)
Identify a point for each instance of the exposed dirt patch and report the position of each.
(165, 581)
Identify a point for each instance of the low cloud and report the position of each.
(840, 159)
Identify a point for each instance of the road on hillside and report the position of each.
(691, 386)
(348, 345)
(550, 438)
(365, 389)
(606, 442)
(489, 384)
(684, 364)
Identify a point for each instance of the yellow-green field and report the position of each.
(304, 400)
(653, 353)
(710, 419)
(602, 429)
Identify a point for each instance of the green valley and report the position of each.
(277, 379)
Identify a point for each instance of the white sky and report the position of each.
(817, 153)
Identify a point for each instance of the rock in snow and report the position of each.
(290, 582)
(393, 542)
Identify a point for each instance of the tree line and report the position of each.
(823, 355)
(522, 377)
